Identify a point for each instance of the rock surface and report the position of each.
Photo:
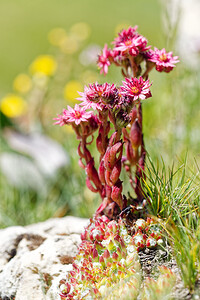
(34, 258)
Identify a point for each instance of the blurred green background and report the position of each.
(24, 26)
(171, 117)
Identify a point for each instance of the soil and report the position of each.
(152, 258)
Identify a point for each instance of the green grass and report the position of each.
(170, 191)
(171, 118)
(174, 198)
(66, 194)
(185, 241)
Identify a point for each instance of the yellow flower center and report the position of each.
(135, 89)
(103, 59)
(77, 114)
(163, 57)
(128, 43)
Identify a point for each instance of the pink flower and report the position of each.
(125, 35)
(136, 88)
(95, 93)
(103, 60)
(76, 115)
(61, 119)
(142, 44)
(133, 46)
(88, 97)
(164, 61)
(128, 46)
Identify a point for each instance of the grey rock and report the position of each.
(34, 258)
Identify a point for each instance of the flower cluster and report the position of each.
(107, 257)
(108, 254)
(115, 113)
(130, 42)
(130, 49)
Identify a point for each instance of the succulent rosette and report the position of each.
(108, 257)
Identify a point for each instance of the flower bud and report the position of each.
(101, 172)
(116, 193)
(108, 191)
(136, 134)
(106, 158)
(93, 124)
(114, 176)
(111, 117)
(102, 206)
(114, 151)
(131, 153)
(133, 114)
(122, 119)
(122, 244)
(107, 177)
(110, 157)
(90, 168)
(92, 174)
(99, 144)
(90, 186)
